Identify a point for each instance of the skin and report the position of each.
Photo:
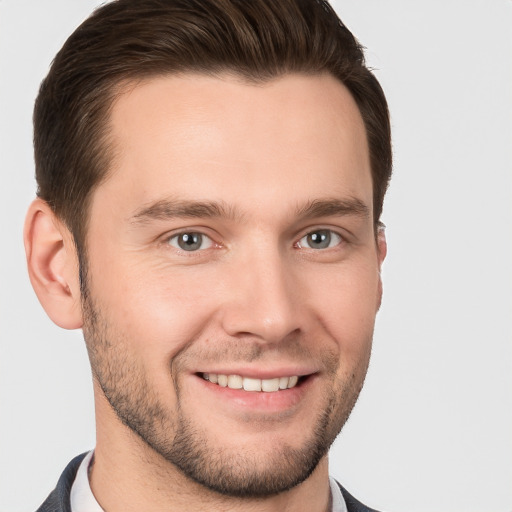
(257, 298)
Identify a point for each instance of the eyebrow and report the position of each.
(170, 209)
(333, 207)
(166, 209)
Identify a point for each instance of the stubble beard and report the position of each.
(185, 444)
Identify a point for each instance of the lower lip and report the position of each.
(260, 401)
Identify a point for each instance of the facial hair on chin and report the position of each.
(185, 444)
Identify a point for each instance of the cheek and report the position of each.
(158, 311)
(346, 300)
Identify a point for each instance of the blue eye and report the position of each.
(320, 239)
(191, 241)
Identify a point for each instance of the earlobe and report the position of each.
(53, 265)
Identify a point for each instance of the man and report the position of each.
(211, 177)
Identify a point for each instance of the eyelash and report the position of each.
(329, 233)
(326, 236)
(193, 234)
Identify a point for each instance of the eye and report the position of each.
(190, 241)
(320, 239)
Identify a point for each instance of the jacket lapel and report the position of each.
(58, 500)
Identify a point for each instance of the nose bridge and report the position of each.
(263, 303)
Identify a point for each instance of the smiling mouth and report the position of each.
(250, 384)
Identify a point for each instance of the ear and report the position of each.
(382, 250)
(53, 265)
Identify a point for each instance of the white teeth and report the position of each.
(283, 382)
(270, 385)
(250, 384)
(235, 382)
(293, 381)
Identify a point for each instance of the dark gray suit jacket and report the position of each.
(58, 500)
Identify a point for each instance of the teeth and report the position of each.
(250, 384)
(235, 382)
(270, 385)
(283, 382)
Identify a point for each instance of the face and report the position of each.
(233, 275)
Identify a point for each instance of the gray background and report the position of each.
(433, 428)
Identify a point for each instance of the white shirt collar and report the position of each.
(83, 500)
(337, 500)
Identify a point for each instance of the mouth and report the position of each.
(251, 384)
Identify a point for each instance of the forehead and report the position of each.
(220, 138)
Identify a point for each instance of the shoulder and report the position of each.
(353, 505)
(58, 500)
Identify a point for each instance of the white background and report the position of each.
(433, 428)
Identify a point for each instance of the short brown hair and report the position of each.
(127, 40)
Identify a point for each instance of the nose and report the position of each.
(263, 298)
